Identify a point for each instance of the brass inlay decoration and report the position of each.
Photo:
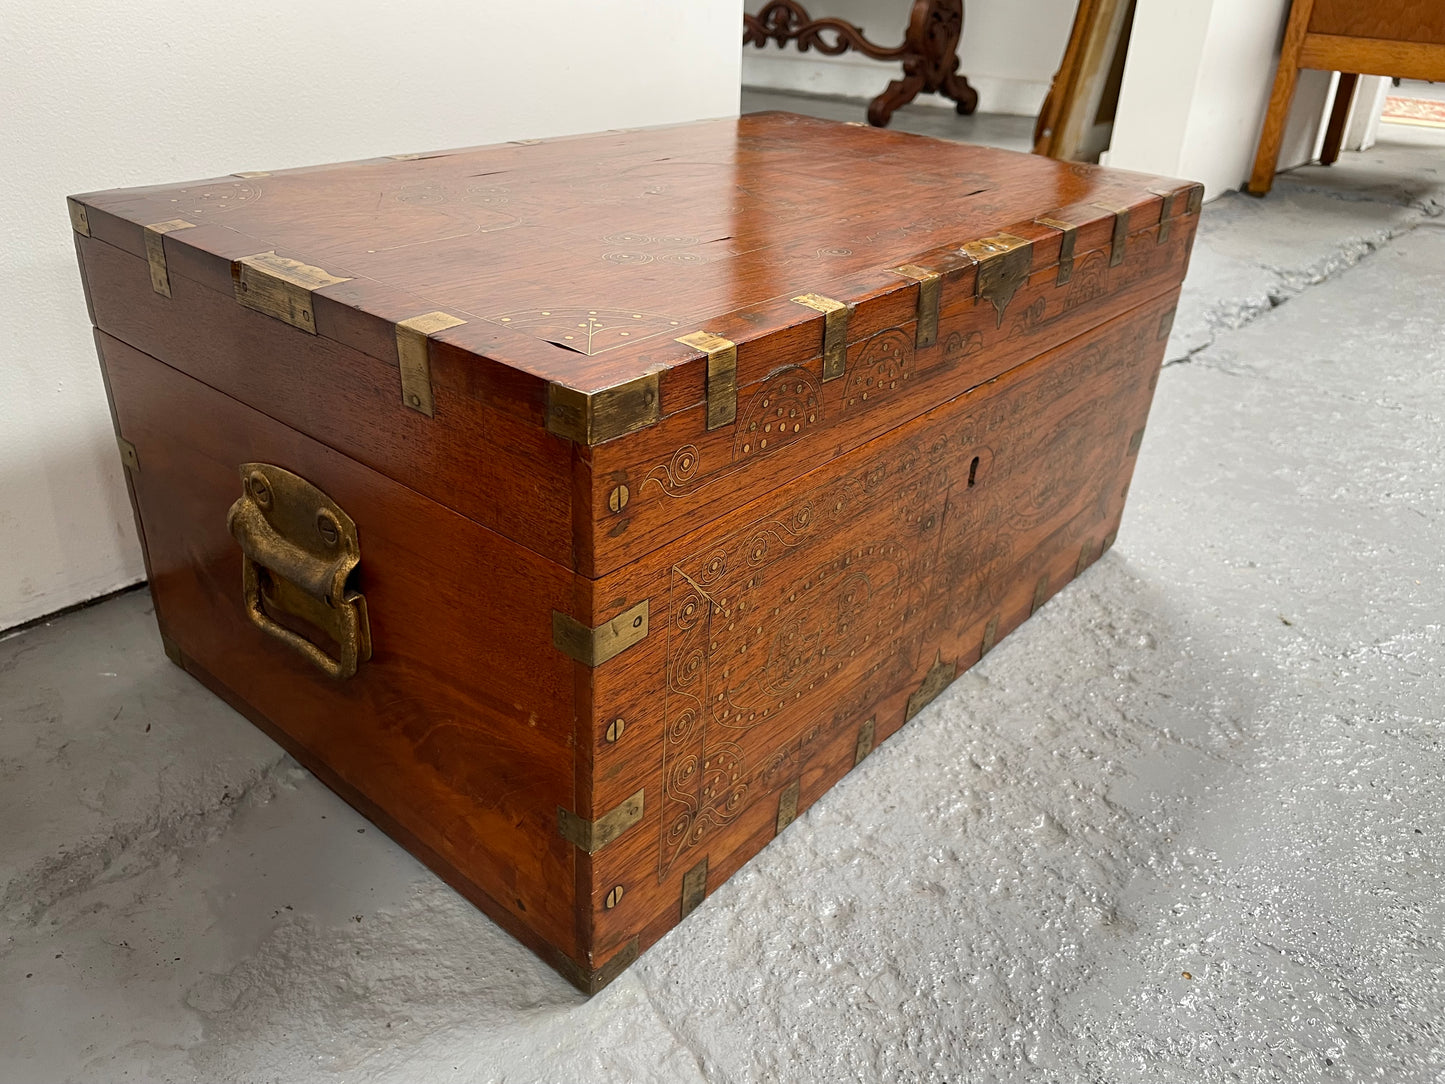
(722, 376)
(694, 887)
(930, 285)
(280, 287)
(1120, 240)
(614, 897)
(128, 454)
(587, 331)
(787, 806)
(990, 636)
(79, 217)
(835, 332)
(593, 417)
(1086, 554)
(299, 552)
(1067, 242)
(592, 836)
(615, 730)
(413, 355)
(1041, 594)
(593, 647)
(252, 174)
(1135, 441)
(156, 252)
(940, 675)
(1003, 266)
(864, 745)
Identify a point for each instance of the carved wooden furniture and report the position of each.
(581, 510)
(1401, 38)
(929, 51)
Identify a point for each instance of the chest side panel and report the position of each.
(456, 734)
(790, 638)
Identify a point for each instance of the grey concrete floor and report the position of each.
(1183, 826)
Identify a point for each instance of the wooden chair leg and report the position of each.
(1261, 179)
(1335, 133)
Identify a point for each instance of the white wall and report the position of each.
(1196, 86)
(1010, 50)
(108, 93)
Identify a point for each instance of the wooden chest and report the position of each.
(581, 510)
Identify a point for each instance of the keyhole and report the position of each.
(972, 472)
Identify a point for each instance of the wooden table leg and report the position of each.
(1285, 78)
(1339, 115)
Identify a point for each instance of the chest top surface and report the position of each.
(611, 246)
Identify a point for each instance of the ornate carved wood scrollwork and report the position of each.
(929, 51)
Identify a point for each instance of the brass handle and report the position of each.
(299, 550)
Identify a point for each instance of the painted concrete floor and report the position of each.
(1183, 826)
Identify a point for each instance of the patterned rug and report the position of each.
(1417, 111)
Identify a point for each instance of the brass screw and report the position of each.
(327, 527)
(260, 490)
(615, 729)
(614, 897)
(617, 499)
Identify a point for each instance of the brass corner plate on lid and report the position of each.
(280, 287)
(930, 285)
(594, 417)
(155, 235)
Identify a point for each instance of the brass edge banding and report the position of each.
(594, 646)
(594, 417)
(930, 285)
(940, 675)
(694, 888)
(722, 376)
(128, 455)
(864, 745)
(1004, 261)
(1120, 239)
(788, 806)
(155, 242)
(592, 836)
(413, 355)
(1067, 242)
(280, 287)
(835, 332)
(990, 636)
(79, 217)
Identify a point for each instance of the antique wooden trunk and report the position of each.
(581, 510)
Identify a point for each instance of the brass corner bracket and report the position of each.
(722, 376)
(594, 646)
(1004, 261)
(594, 417)
(592, 836)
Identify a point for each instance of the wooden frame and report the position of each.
(1402, 38)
